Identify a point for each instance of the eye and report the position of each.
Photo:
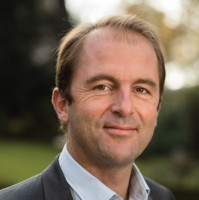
(101, 87)
(141, 90)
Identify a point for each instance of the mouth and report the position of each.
(117, 130)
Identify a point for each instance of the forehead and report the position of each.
(115, 34)
(114, 52)
(105, 41)
(100, 39)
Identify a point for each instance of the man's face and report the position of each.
(116, 94)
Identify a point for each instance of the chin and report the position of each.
(119, 158)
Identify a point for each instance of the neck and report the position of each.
(116, 179)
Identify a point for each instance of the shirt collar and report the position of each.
(82, 182)
(138, 188)
(88, 187)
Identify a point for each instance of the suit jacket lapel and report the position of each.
(54, 183)
(150, 198)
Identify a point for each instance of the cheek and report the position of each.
(148, 115)
(149, 120)
(94, 107)
(86, 115)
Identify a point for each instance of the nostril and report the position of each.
(122, 110)
(118, 114)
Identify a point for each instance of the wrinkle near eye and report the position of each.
(83, 95)
(85, 98)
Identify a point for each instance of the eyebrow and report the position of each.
(99, 77)
(149, 82)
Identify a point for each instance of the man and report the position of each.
(109, 83)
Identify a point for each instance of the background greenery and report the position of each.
(29, 33)
(21, 160)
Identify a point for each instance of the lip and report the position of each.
(120, 130)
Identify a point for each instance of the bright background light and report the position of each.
(175, 77)
(91, 10)
(172, 10)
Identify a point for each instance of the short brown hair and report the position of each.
(72, 43)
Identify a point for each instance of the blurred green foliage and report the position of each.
(21, 160)
(178, 123)
(163, 170)
(29, 34)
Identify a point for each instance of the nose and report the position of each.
(122, 103)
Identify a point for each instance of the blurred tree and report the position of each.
(178, 124)
(193, 113)
(29, 32)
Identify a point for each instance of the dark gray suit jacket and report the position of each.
(51, 185)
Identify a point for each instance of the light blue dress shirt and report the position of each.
(85, 186)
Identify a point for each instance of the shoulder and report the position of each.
(29, 189)
(158, 191)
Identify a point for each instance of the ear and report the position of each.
(60, 105)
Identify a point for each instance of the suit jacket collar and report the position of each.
(54, 183)
(150, 198)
